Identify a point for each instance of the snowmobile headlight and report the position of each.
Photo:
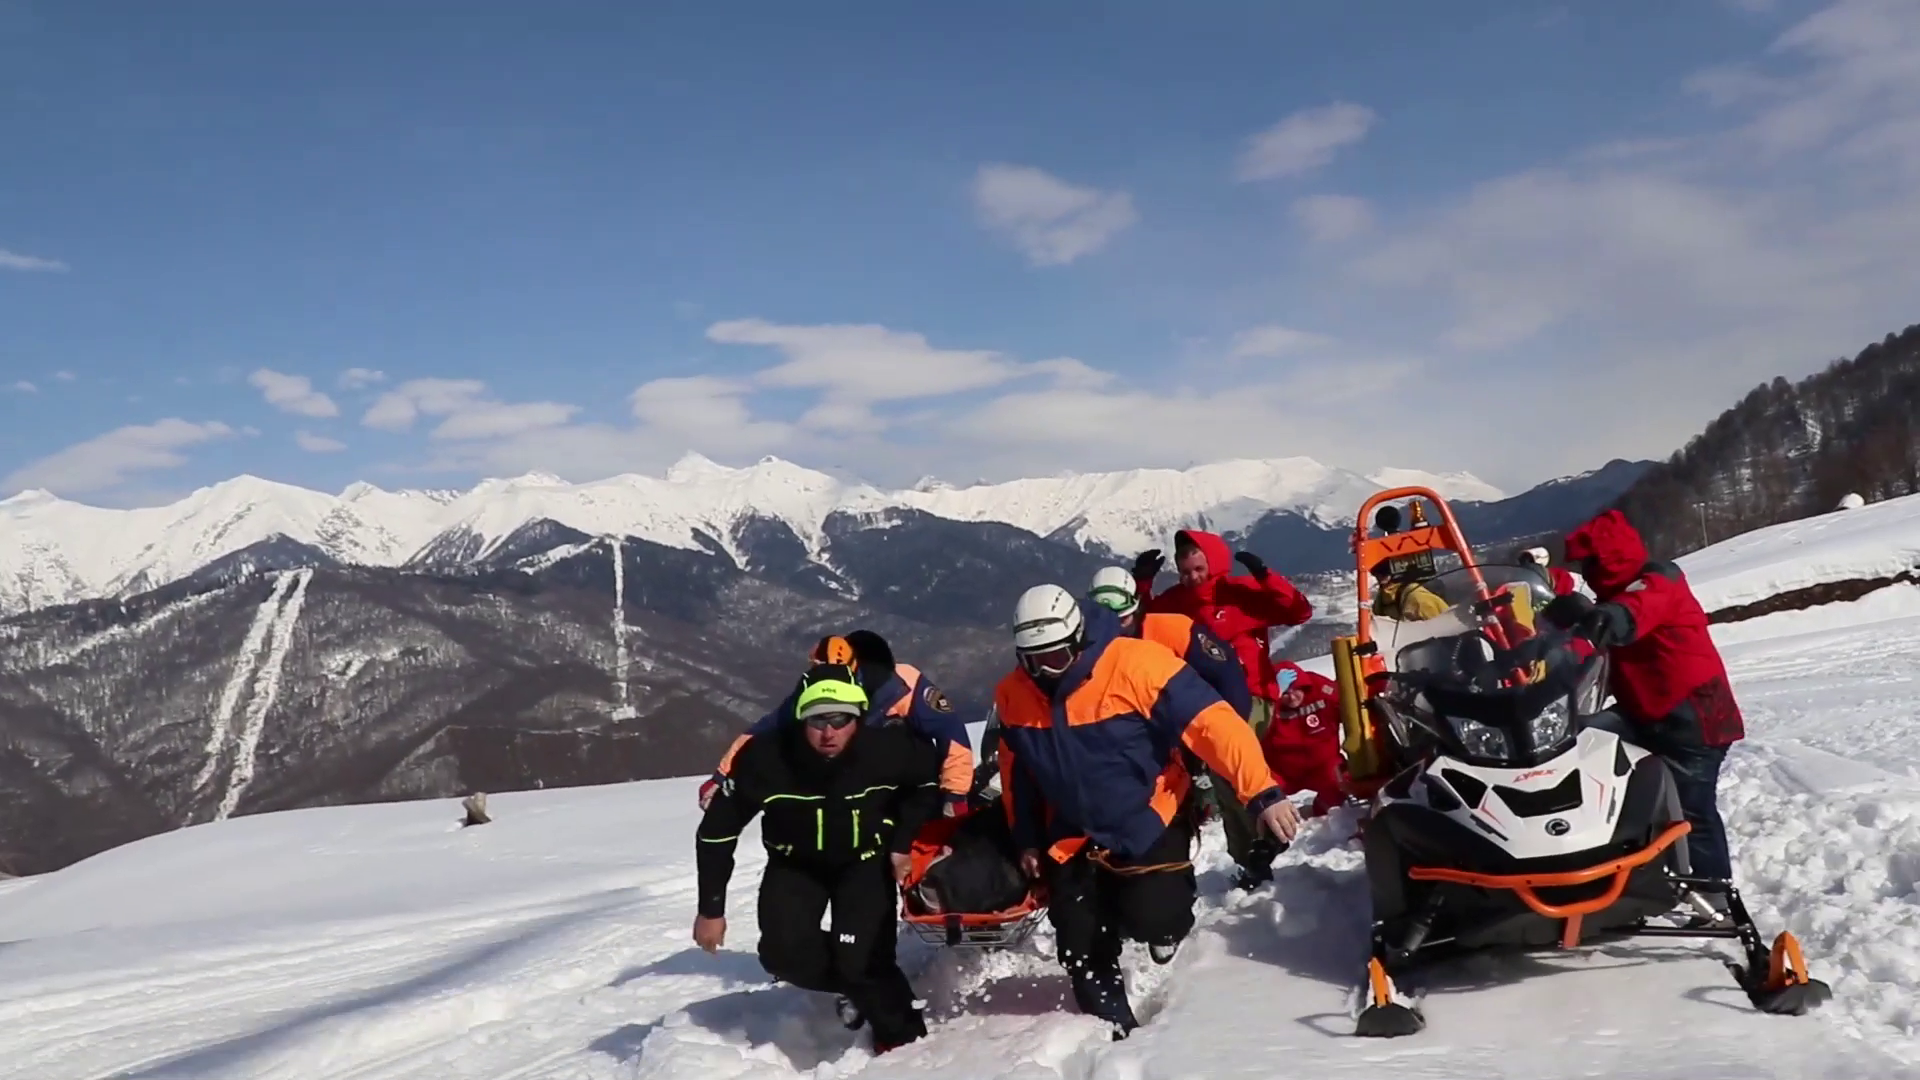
(1481, 740)
(1550, 727)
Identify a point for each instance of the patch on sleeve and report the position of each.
(726, 786)
(1212, 647)
(936, 700)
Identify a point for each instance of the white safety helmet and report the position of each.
(1048, 630)
(1113, 589)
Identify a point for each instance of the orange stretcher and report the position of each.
(963, 930)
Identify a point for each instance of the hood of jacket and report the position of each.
(1609, 550)
(1219, 555)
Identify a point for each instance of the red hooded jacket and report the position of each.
(1670, 661)
(1235, 608)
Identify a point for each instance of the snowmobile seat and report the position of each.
(1006, 927)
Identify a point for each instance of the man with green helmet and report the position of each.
(840, 803)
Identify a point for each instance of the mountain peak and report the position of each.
(694, 466)
(30, 497)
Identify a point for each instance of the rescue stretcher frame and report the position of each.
(1003, 929)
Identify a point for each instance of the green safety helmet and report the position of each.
(829, 689)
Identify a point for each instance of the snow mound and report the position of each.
(1877, 541)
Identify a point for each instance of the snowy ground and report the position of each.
(385, 941)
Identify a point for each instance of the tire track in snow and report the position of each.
(280, 640)
(241, 677)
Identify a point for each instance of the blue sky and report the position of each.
(978, 240)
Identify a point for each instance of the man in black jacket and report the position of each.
(841, 804)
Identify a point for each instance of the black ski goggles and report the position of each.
(834, 721)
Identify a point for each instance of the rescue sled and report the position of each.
(1498, 819)
(963, 930)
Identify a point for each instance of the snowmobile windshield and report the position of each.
(1501, 597)
(1494, 706)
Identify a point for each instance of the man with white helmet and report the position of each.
(1092, 722)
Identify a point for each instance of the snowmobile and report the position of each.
(1498, 819)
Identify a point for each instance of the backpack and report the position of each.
(979, 874)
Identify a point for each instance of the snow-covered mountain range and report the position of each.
(53, 551)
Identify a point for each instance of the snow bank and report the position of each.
(1877, 541)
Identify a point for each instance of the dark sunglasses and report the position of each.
(836, 721)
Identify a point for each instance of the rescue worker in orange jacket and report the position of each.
(897, 694)
(1115, 589)
(1093, 783)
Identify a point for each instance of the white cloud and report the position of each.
(360, 378)
(317, 444)
(397, 409)
(497, 420)
(1051, 221)
(1330, 219)
(106, 461)
(292, 393)
(865, 362)
(1274, 341)
(10, 260)
(466, 412)
(1304, 141)
(1300, 409)
(64, 376)
(1685, 270)
(25, 387)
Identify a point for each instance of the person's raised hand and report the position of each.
(1254, 564)
(1148, 565)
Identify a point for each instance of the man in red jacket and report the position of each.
(1302, 742)
(1238, 611)
(1670, 687)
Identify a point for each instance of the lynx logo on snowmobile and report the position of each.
(1558, 827)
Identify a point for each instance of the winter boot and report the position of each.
(1103, 994)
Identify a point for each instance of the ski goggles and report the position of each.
(1050, 662)
(831, 720)
(1113, 598)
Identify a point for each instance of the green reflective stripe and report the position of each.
(798, 798)
(871, 790)
(719, 839)
(856, 826)
(820, 829)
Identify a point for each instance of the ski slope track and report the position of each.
(377, 942)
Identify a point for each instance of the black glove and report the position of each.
(1253, 564)
(1565, 612)
(1606, 624)
(1147, 566)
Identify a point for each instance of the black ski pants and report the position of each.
(855, 956)
(1094, 907)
